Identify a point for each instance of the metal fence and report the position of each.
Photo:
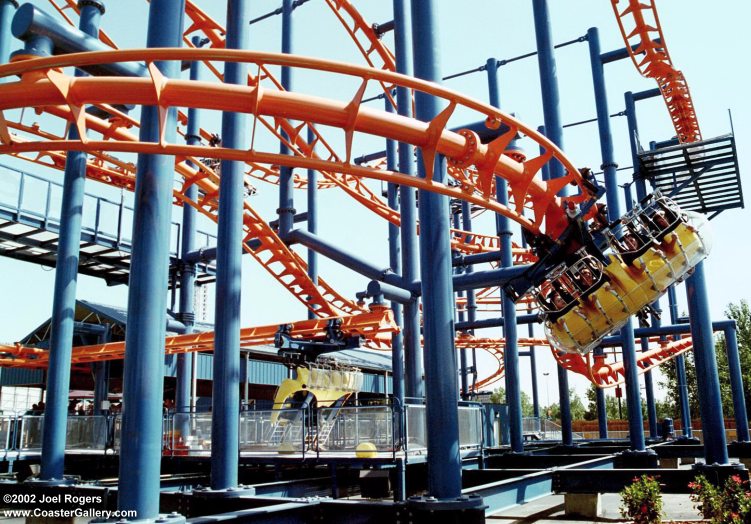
(360, 430)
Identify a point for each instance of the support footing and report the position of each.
(65, 481)
(229, 493)
(585, 505)
(633, 458)
(717, 474)
(741, 450)
(668, 463)
(462, 510)
(170, 518)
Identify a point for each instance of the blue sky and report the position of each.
(704, 42)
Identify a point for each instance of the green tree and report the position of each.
(578, 410)
(741, 313)
(499, 397)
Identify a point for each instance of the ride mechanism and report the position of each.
(588, 277)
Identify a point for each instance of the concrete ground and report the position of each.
(549, 510)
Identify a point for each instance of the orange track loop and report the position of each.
(605, 375)
(55, 89)
(652, 60)
(376, 54)
(368, 325)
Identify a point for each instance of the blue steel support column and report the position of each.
(66, 277)
(633, 135)
(708, 381)
(609, 165)
(143, 377)
(397, 340)
(511, 349)
(602, 406)
(636, 423)
(649, 394)
(633, 396)
(680, 372)
(413, 362)
(312, 218)
(736, 384)
(460, 317)
(533, 372)
(648, 381)
(188, 269)
(471, 297)
(101, 377)
(554, 131)
(225, 448)
(548, 80)
(286, 209)
(567, 434)
(444, 461)
(7, 10)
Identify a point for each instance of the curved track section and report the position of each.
(605, 374)
(640, 27)
(44, 88)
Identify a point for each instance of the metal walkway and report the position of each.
(30, 223)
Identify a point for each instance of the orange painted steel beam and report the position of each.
(652, 60)
(370, 326)
(432, 137)
(606, 374)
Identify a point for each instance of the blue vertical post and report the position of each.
(188, 269)
(444, 461)
(413, 362)
(312, 217)
(564, 403)
(471, 297)
(602, 406)
(143, 375)
(736, 383)
(707, 379)
(548, 80)
(225, 447)
(554, 131)
(66, 278)
(101, 377)
(633, 135)
(511, 348)
(533, 361)
(609, 166)
(636, 423)
(461, 315)
(680, 372)
(286, 209)
(633, 395)
(7, 10)
(648, 380)
(397, 340)
(533, 372)
(649, 395)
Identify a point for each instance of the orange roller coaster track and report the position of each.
(42, 87)
(371, 326)
(640, 27)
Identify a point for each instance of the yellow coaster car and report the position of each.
(652, 248)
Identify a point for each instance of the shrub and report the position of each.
(642, 500)
(730, 504)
